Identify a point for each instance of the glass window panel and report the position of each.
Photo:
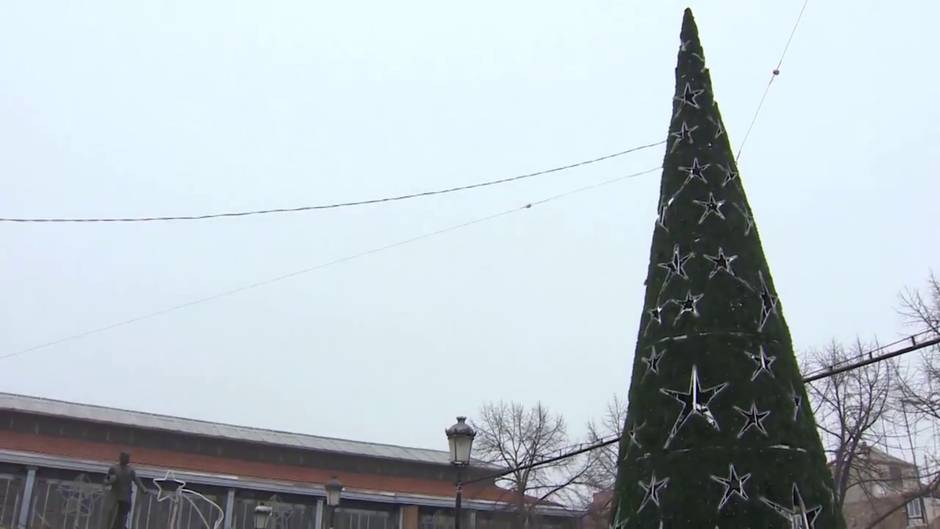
(11, 496)
(67, 504)
(285, 513)
(189, 510)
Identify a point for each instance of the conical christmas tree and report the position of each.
(719, 431)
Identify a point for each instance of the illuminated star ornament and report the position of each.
(80, 495)
(632, 433)
(721, 262)
(676, 265)
(753, 418)
(684, 134)
(689, 97)
(168, 487)
(695, 402)
(619, 522)
(696, 171)
(651, 490)
(711, 207)
(764, 363)
(656, 314)
(799, 516)
(768, 303)
(652, 361)
(797, 400)
(731, 174)
(719, 128)
(748, 219)
(661, 213)
(734, 486)
(689, 305)
(173, 489)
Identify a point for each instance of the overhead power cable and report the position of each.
(770, 82)
(870, 353)
(336, 205)
(581, 449)
(323, 265)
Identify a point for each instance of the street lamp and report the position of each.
(460, 438)
(262, 514)
(334, 489)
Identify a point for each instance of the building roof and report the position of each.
(879, 456)
(153, 421)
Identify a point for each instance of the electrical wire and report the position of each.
(770, 82)
(580, 449)
(912, 338)
(336, 205)
(323, 265)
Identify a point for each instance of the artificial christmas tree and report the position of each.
(718, 433)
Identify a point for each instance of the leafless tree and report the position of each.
(602, 463)
(851, 410)
(511, 435)
(603, 468)
(921, 310)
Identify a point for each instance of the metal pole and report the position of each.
(457, 501)
(26, 506)
(318, 523)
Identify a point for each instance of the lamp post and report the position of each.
(262, 514)
(334, 489)
(460, 438)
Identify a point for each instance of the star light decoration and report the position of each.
(684, 134)
(694, 402)
(753, 418)
(748, 219)
(722, 263)
(689, 97)
(731, 174)
(696, 171)
(799, 516)
(764, 363)
(710, 207)
(619, 522)
(676, 265)
(80, 495)
(768, 302)
(734, 485)
(719, 128)
(169, 487)
(280, 512)
(797, 400)
(652, 361)
(661, 212)
(689, 305)
(632, 436)
(656, 314)
(173, 489)
(651, 490)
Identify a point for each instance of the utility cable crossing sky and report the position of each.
(337, 205)
(327, 264)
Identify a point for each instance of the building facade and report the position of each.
(54, 456)
(881, 484)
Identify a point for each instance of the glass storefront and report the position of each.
(11, 498)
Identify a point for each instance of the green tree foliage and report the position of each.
(720, 432)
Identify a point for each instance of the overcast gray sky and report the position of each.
(133, 108)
